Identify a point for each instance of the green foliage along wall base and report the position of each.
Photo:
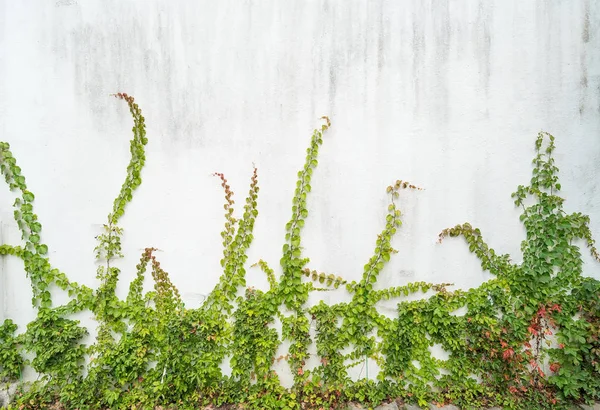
(529, 337)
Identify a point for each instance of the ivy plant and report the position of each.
(527, 338)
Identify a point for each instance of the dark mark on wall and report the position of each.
(586, 23)
(583, 83)
(442, 34)
(484, 43)
(332, 85)
(61, 3)
(585, 37)
(418, 44)
(380, 42)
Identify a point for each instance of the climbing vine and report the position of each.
(527, 338)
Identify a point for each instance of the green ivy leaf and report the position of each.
(42, 249)
(28, 196)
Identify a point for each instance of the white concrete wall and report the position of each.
(448, 95)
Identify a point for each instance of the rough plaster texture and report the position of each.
(6, 393)
(447, 95)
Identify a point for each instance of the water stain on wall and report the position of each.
(585, 37)
(483, 41)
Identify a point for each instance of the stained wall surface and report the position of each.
(447, 95)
